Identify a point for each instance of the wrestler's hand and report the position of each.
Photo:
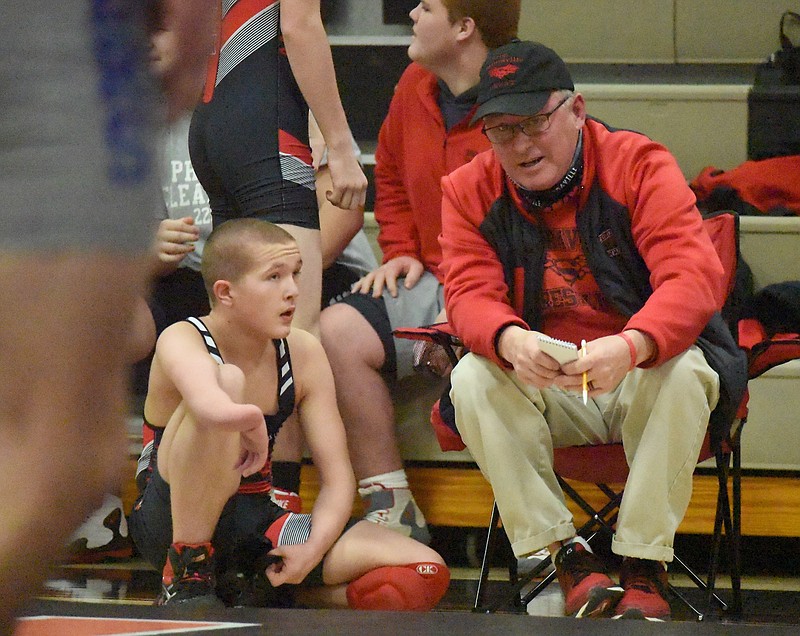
(349, 183)
(174, 240)
(254, 449)
(388, 274)
(296, 561)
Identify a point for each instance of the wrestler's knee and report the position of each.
(416, 586)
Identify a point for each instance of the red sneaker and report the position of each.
(645, 584)
(588, 590)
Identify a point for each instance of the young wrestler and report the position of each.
(220, 389)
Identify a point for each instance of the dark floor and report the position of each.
(771, 584)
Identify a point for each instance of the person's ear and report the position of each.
(222, 292)
(578, 109)
(466, 28)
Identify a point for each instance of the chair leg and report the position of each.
(729, 509)
(735, 539)
(698, 614)
(488, 553)
(515, 598)
(604, 518)
(727, 518)
(721, 518)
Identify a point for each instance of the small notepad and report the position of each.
(561, 350)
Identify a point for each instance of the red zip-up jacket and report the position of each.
(414, 152)
(644, 181)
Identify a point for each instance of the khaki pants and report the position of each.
(660, 415)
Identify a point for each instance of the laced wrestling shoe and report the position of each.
(188, 577)
(103, 536)
(646, 587)
(395, 508)
(287, 500)
(588, 590)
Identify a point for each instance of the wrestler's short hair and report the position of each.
(227, 254)
(497, 21)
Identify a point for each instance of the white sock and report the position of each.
(575, 539)
(394, 479)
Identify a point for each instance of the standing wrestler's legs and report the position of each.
(289, 443)
(306, 315)
(66, 324)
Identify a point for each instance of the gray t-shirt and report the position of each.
(183, 194)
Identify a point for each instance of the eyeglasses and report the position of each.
(503, 133)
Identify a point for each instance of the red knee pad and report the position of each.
(416, 586)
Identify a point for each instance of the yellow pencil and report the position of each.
(585, 375)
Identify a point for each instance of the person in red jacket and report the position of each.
(426, 134)
(572, 229)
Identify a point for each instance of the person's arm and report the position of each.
(393, 211)
(182, 355)
(686, 274)
(337, 226)
(311, 60)
(325, 436)
(476, 293)
(193, 24)
(398, 237)
(142, 331)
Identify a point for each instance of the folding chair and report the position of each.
(606, 466)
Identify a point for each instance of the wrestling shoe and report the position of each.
(188, 577)
(103, 536)
(646, 586)
(396, 509)
(588, 590)
(287, 500)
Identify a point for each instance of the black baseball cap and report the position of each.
(518, 78)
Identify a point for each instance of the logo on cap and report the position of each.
(499, 72)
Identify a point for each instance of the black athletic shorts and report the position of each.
(238, 536)
(249, 145)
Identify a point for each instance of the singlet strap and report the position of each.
(286, 395)
(211, 344)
